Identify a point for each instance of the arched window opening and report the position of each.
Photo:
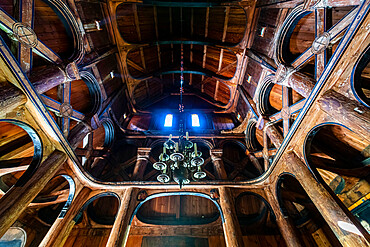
(169, 216)
(98, 214)
(103, 210)
(20, 150)
(14, 237)
(237, 164)
(256, 219)
(361, 80)
(297, 206)
(340, 158)
(178, 211)
(51, 203)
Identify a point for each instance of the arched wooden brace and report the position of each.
(324, 202)
(216, 157)
(15, 201)
(121, 227)
(231, 227)
(299, 82)
(11, 98)
(141, 163)
(286, 227)
(349, 112)
(59, 231)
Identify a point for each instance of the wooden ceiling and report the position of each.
(209, 37)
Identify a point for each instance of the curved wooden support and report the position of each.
(346, 111)
(121, 227)
(15, 201)
(232, 232)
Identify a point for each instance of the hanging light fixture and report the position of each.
(180, 161)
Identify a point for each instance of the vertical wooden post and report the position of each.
(61, 228)
(346, 111)
(15, 201)
(287, 229)
(216, 157)
(121, 227)
(141, 163)
(232, 232)
(255, 162)
(323, 201)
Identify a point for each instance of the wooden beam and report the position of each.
(216, 156)
(25, 15)
(324, 202)
(141, 163)
(347, 112)
(205, 46)
(11, 98)
(320, 28)
(274, 134)
(62, 227)
(232, 232)
(287, 229)
(45, 78)
(15, 201)
(121, 227)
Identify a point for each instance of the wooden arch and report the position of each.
(37, 153)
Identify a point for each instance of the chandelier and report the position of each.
(180, 161)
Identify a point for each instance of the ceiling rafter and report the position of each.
(226, 22)
(191, 46)
(205, 46)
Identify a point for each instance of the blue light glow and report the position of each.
(195, 120)
(168, 120)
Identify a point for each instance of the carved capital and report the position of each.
(143, 153)
(216, 154)
(282, 75)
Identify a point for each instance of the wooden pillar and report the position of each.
(46, 78)
(121, 227)
(274, 135)
(328, 207)
(349, 112)
(10, 98)
(255, 162)
(232, 232)
(15, 201)
(299, 82)
(289, 232)
(216, 157)
(141, 163)
(78, 133)
(61, 228)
